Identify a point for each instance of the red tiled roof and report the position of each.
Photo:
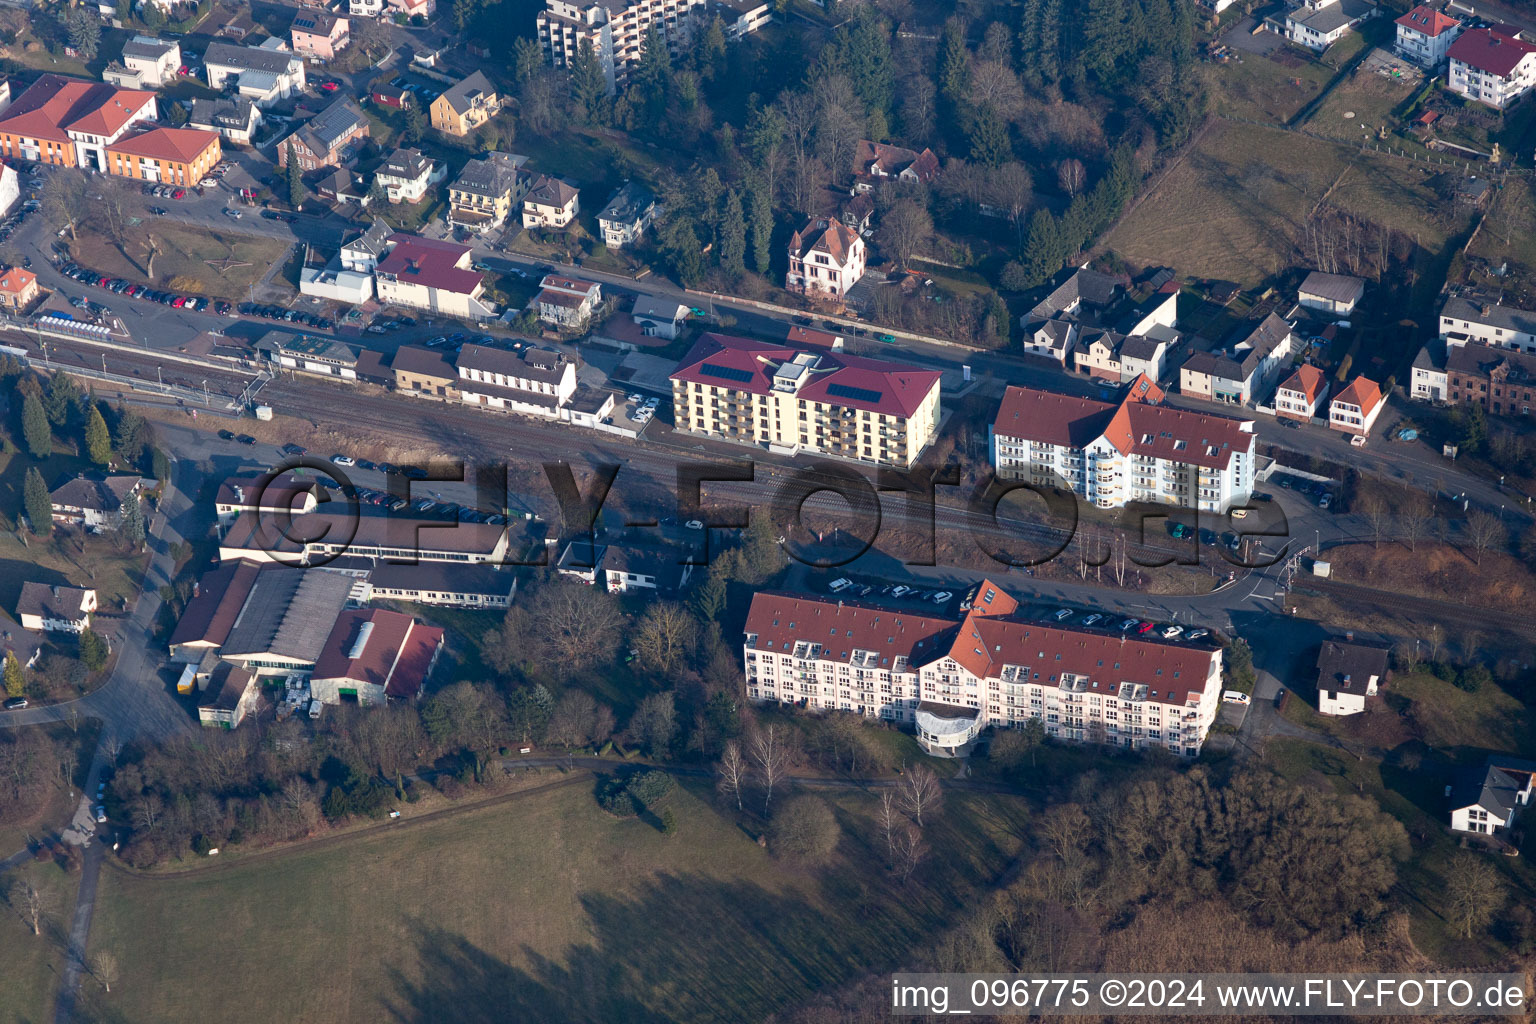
(1490, 51)
(1427, 21)
(178, 145)
(396, 655)
(897, 390)
(431, 263)
(17, 280)
(53, 105)
(212, 611)
(1307, 380)
(893, 160)
(779, 620)
(1362, 392)
(832, 237)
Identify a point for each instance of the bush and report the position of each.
(1444, 671)
(1473, 678)
(668, 821)
(804, 829)
(649, 787)
(614, 797)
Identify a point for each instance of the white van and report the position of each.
(1234, 697)
(1358, 440)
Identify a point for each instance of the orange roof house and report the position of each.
(1301, 394)
(69, 122)
(18, 288)
(1354, 410)
(175, 156)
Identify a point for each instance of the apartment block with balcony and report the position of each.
(1492, 66)
(466, 105)
(617, 30)
(1424, 35)
(1132, 450)
(950, 681)
(824, 402)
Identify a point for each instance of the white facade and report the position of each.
(1425, 34)
(1491, 67)
(343, 286)
(401, 186)
(1485, 323)
(1318, 24)
(827, 257)
(617, 31)
(10, 188)
(265, 75)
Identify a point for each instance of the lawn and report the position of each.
(1509, 233)
(1234, 207)
(1359, 106)
(1261, 89)
(1489, 719)
(184, 252)
(544, 908)
(32, 962)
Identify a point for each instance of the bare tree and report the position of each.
(909, 852)
(920, 792)
(993, 84)
(1474, 892)
(666, 636)
(732, 770)
(1378, 514)
(104, 969)
(889, 821)
(1484, 530)
(904, 229)
(1071, 176)
(1010, 188)
(771, 755)
(152, 246)
(32, 901)
(577, 625)
(1414, 516)
(64, 200)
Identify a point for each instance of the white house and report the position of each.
(1347, 674)
(550, 203)
(566, 302)
(1242, 374)
(1118, 358)
(146, 63)
(1486, 801)
(1301, 394)
(1330, 293)
(657, 317)
(407, 174)
(826, 258)
(1355, 409)
(234, 119)
(307, 353)
(535, 382)
(629, 212)
(361, 252)
(1463, 320)
(331, 281)
(1431, 381)
(265, 74)
(1135, 449)
(1053, 339)
(1424, 35)
(94, 502)
(1492, 66)
(425, 273)
(1318, 24)
(44, 608)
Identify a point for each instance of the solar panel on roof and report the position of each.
(726, 372)
(853, 394)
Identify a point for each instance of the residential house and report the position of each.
(230, 694)
(949, 681)
(659, 318)
(170, 156)
(428, 274)
(265, 75)
(373, 655)
(486, 191)
(235, 120)
(407, 9)
(361, 253)
(822, 402)
(1300, 397)
(801, 337)
(566, 302)
(1331, 293)
(94, 502)
(1425, 35)
(53, 609)
(328, 279)
(307, 353)
(18, 289)
(1431, 381)
(22, 644)
(465, 105)
(426, 372)
(1347, 674)
(876, 162)
(858, 211)
(264, 493)
(1089, 299)
(535, 382)
(629, 569)
(550, 203)
(1492, 66)
(1318, 24)
(826, 258)
(1486, 800)
(318, 35)
(1500, 381)
(1242, 374)
(69, 122)
(629, 212)
(1354, 410)
(1465, 320)
(395, 97)
(146, 63)
(326, 140)
(582, 560)
(1134, 449)
(407, 174)
(1115, 357)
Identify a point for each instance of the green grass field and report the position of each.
(184, 252)
(540, 909)
(1489, 719)
(1364, 99)
(1261, 89)
(30, 977)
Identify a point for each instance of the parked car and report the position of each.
(1092, 619)
(694, 524)
(16, 704)
(1324, 501)
(1062, 614)
(942, 596)
(343, 460)
(900, 591)
(293, 449)
(1169, 632)
(1128, 624)
(1197, 634)
(246, 439)
(1280, 699)
(226, 435)
(101, 814)
(1145, 627)
(1235, 697)
(840, 584)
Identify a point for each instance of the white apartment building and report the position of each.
(829, 403)
(1491, 66)
(146, 63)
(407, 174)
(617, 28)
(1135, 449)
(1464, 320)
(1424, 35)
(1355, 409)
(534, 383)
(265, 74)
(826, 257)
(1318, 24)
(426, 273)
(951, 681)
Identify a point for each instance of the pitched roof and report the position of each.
(1082, 285)
(249, 58)
(371, 241)
(98, 493)
(17, 280)
(288, 612)
(1427, 21)
(380, 647)
(1362, 392)
(216, 603)
(835, 378)
(1490, 51)
(320, 23)
(780, 620)
(461, 96)
(222, 113)
(1486, 361)
(50, 602)
(1334, 287)
(424, 362)
(628, 203)
(409, 164)
(493, 175)
(177, 145)
(871, 157)
(321, 133)
(147, 47)
(548, 191)
(824, 235)
(54, 105)
(430, 263)
(1509, 318)
(1349, 667)
(1308, 380)
(656, 308)
(226, 687)
(526, 365)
